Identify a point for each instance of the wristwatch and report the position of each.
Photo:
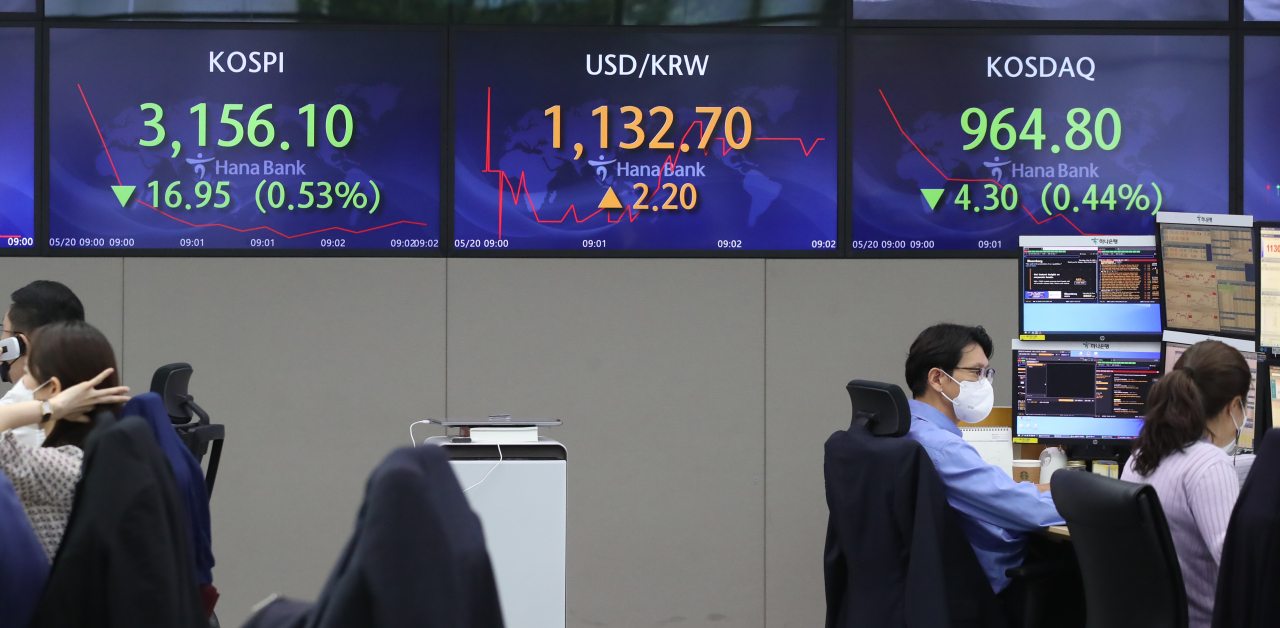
(45, 411)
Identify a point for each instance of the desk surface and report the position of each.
(1058, 531)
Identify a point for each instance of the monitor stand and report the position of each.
(1098, 451)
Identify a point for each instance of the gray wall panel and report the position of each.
(96, 280)
(317, 367)
(829, 322)
(656, 368)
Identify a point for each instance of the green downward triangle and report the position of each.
(125, 192)
(932, 195)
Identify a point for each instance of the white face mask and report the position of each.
(975, 400)
(1230, 447)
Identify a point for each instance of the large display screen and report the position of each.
(626, 140)
(1090, 288)
(1261, 127)
(1262, 10)
(1174, 350)
(244, 139)
(1066, 393)
(1074, 10)
(1210, 280)
(17, 6)
(1269, 290)
(965, 142)
(17, 138)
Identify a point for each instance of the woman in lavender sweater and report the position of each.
(1193, 418)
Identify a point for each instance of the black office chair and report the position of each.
(906, 560)
(170, 382)
(1131, 573)
(881, 408)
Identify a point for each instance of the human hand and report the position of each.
(82, 397)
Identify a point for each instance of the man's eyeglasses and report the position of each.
(984, 372)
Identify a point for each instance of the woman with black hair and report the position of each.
(1193, 418)
(71, 373)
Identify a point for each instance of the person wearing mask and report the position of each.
(1193, 418)
(34, 305)
(950, 377)
(71, 374)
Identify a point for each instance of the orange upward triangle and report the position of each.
(610, 200)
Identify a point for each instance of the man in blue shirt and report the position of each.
(950, 379)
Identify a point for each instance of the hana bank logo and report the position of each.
(1097, 345)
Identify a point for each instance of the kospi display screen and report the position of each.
(965, 142)
(1074, 10)
(1261, 129)
(17, 137)
(630, 140)
(260, 139)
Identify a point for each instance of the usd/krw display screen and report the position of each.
(1172, 10)
(627, 140)
(17, 137)
(965, 142)
(244, 139)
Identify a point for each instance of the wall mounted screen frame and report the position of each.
(36, 140)
(414, 250)
(834, 249)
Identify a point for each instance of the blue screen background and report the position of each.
(17, 137)
(770, 195)
(1261, 128)
(1191, 10)
(1102, 318)
(389, 80)
(1170, 92)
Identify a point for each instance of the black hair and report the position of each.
(42, 302)
(1179, 407)
(941, 346)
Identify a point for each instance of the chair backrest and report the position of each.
(1127, 560)
(170, 382)
(881, 407)
(24, 567)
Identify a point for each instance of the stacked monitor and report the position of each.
(1071, 391)
(1088, 349)
(1210, 276)
(1089, 288)
(1177, 343)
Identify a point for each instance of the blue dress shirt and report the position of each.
(995, 512)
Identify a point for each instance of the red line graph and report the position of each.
(214, 224)
(944, 175)
(504, 181)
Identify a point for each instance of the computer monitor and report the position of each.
(1076, 391)
(1210, 274)
(1089, 288)
(1177, 343)
(1269, 287)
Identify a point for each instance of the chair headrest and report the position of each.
(882, 408)
(170, 382)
